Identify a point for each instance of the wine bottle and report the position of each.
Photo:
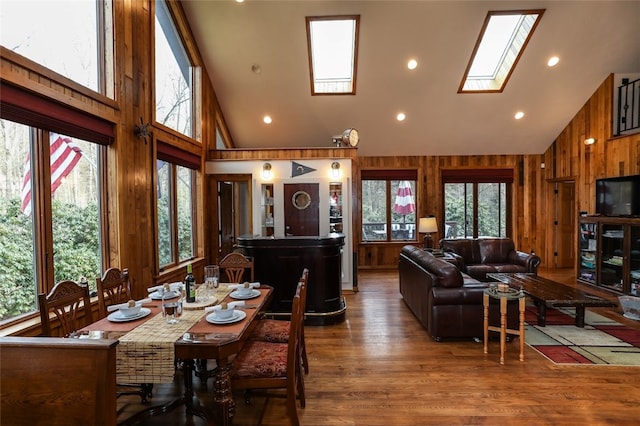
(190, 285)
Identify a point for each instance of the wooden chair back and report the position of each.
(293, 381)
(236, 266)
(113, 288)
(70, 303)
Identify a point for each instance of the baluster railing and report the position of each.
(628, 106)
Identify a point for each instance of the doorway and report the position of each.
(565, 224)
(233, 206)
(302, 209)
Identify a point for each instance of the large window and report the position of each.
(176, 205)
(173, 75)
(83, 27)
(388, 205)
(477, 203)
(50, 214)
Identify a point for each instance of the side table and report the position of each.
(503, 297)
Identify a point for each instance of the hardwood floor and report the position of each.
(380, 367)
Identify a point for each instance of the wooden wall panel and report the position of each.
(429, 199)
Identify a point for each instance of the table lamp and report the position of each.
(427, 226)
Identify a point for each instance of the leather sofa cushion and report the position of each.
(495, 250)
(463, 247)
(443, 273)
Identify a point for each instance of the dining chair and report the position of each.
(277, 331)
(265, 365)
(236, 265)
(71, 305)
(113, 288)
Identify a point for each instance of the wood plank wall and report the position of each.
(429, 200)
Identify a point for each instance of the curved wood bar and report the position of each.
(278, 262)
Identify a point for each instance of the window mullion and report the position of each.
(42, 210)
(173, 208)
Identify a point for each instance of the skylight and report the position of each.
(333, 49)
(504, 36)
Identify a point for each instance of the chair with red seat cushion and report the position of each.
(266, 365)
(277, 331)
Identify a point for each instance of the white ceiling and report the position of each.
(592, 39)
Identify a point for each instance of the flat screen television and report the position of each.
(618, 196)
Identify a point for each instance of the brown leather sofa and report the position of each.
(446, 301)
(480, 256)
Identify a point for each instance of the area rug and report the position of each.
(602, 341)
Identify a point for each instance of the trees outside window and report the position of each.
(173, 75)
(175, 210)
(50, 214)
(388, 205)
(477, 203)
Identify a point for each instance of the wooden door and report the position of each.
(302, 209)
(565, 224)
(226, 230)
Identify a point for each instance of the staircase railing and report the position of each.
(628, 107)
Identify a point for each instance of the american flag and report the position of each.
(64, 156)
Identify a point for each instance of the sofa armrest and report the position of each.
(529, 261)
(458, 260)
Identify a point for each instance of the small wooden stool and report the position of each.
(504, 297)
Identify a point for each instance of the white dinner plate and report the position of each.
(237, 316)
(118, 317)
(157, 296)
(254, 293)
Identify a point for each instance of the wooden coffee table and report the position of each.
(547, 293)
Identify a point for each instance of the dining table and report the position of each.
(150, 348)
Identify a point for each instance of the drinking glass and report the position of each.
(211, 276)
(171, 308)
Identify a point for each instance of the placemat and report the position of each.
(146, 354)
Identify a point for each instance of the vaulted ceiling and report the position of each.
(592, 38)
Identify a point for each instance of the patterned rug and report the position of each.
(601, 341)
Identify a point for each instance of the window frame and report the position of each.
(175, 157)
(42, 214)
(388, 176)
(354, 65)
(475, 177)
(194, 72)
(497, 85)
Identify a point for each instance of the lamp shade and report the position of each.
(427, 225)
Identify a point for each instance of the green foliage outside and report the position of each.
(76, 246)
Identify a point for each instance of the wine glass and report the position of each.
(211, 276)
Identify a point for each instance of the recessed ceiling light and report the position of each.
(267, 119)
(553, 61)
(401, 116)
(519, 115)
(239, 1)
(412, 64)
(256, 68)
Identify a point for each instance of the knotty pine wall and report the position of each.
(526, 201)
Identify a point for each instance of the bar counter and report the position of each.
(279, 261)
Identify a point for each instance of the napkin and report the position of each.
(173, 286)
(229, 306)
(126, 305)
(235, 286)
